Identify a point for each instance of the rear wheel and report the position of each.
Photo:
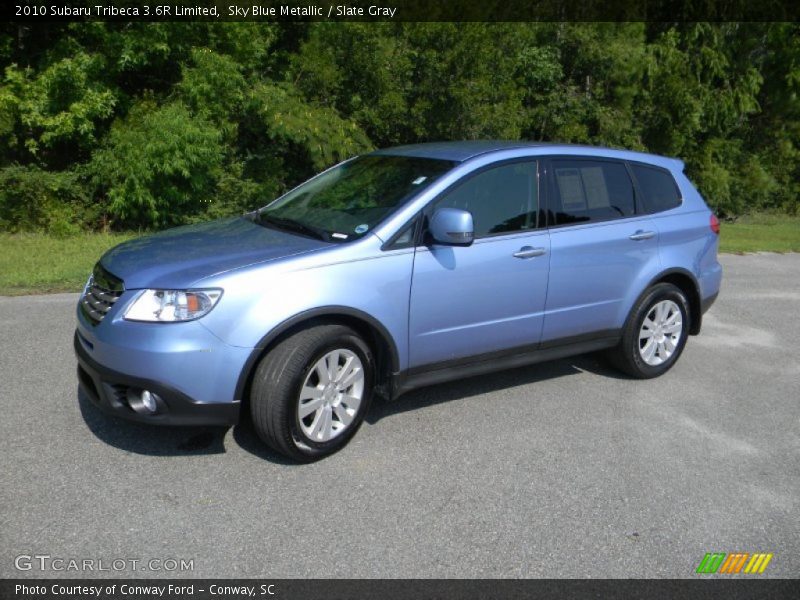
(655, 333)
(310, 393)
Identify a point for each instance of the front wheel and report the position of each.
(655, 334)
(311, 391)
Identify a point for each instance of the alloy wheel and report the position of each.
(660, 333)
(331, 395)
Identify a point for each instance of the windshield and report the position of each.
(349, 200)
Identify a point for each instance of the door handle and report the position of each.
(642, 235)
(529, 252)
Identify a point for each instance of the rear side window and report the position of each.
(658, 188)
(589, 190)
(502, 199)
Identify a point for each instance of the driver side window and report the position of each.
(504, 199)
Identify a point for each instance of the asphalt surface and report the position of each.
(563, 469)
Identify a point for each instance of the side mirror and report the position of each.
(452, 226)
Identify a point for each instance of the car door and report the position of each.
(490, 296)
(602, 246)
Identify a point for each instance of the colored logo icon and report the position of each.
(734, 563)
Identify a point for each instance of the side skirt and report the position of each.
(471, 366)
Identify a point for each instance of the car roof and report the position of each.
(465, 150)
(455, 151)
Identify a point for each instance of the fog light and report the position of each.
(149, 401)
(143, 402)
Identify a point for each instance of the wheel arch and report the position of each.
(387, 357)
(687, 283)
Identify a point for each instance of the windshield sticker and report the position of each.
(340, 236)
(418, 180)
(361, 228)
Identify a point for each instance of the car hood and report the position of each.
(179, 257)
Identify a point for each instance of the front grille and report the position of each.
(102, 291)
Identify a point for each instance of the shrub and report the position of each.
(160, 165)
(32, 199)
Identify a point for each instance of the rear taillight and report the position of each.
(714, 223)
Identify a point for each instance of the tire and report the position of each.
(666, 309)
(290, 380)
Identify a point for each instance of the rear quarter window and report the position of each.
(658, 188)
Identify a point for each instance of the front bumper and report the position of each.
(108, 390)
(706, 303)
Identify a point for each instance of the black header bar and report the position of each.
(671, 11)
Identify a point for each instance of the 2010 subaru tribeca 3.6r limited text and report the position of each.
(400, 268)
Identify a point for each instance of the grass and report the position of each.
(35, 263)
(39, 264)
(761, 233)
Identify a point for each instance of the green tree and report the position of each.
(159, 166)
(154, 124)
(52, 116)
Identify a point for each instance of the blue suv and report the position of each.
(401, 268)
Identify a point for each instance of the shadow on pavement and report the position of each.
(493, 382)
(154, 440)
(248, 440)
(164, 440)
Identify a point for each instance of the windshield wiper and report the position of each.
(295, 226)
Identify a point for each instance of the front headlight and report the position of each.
(169, 306)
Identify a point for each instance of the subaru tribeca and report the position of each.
(393, 270)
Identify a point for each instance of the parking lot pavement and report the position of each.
(564, 469)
